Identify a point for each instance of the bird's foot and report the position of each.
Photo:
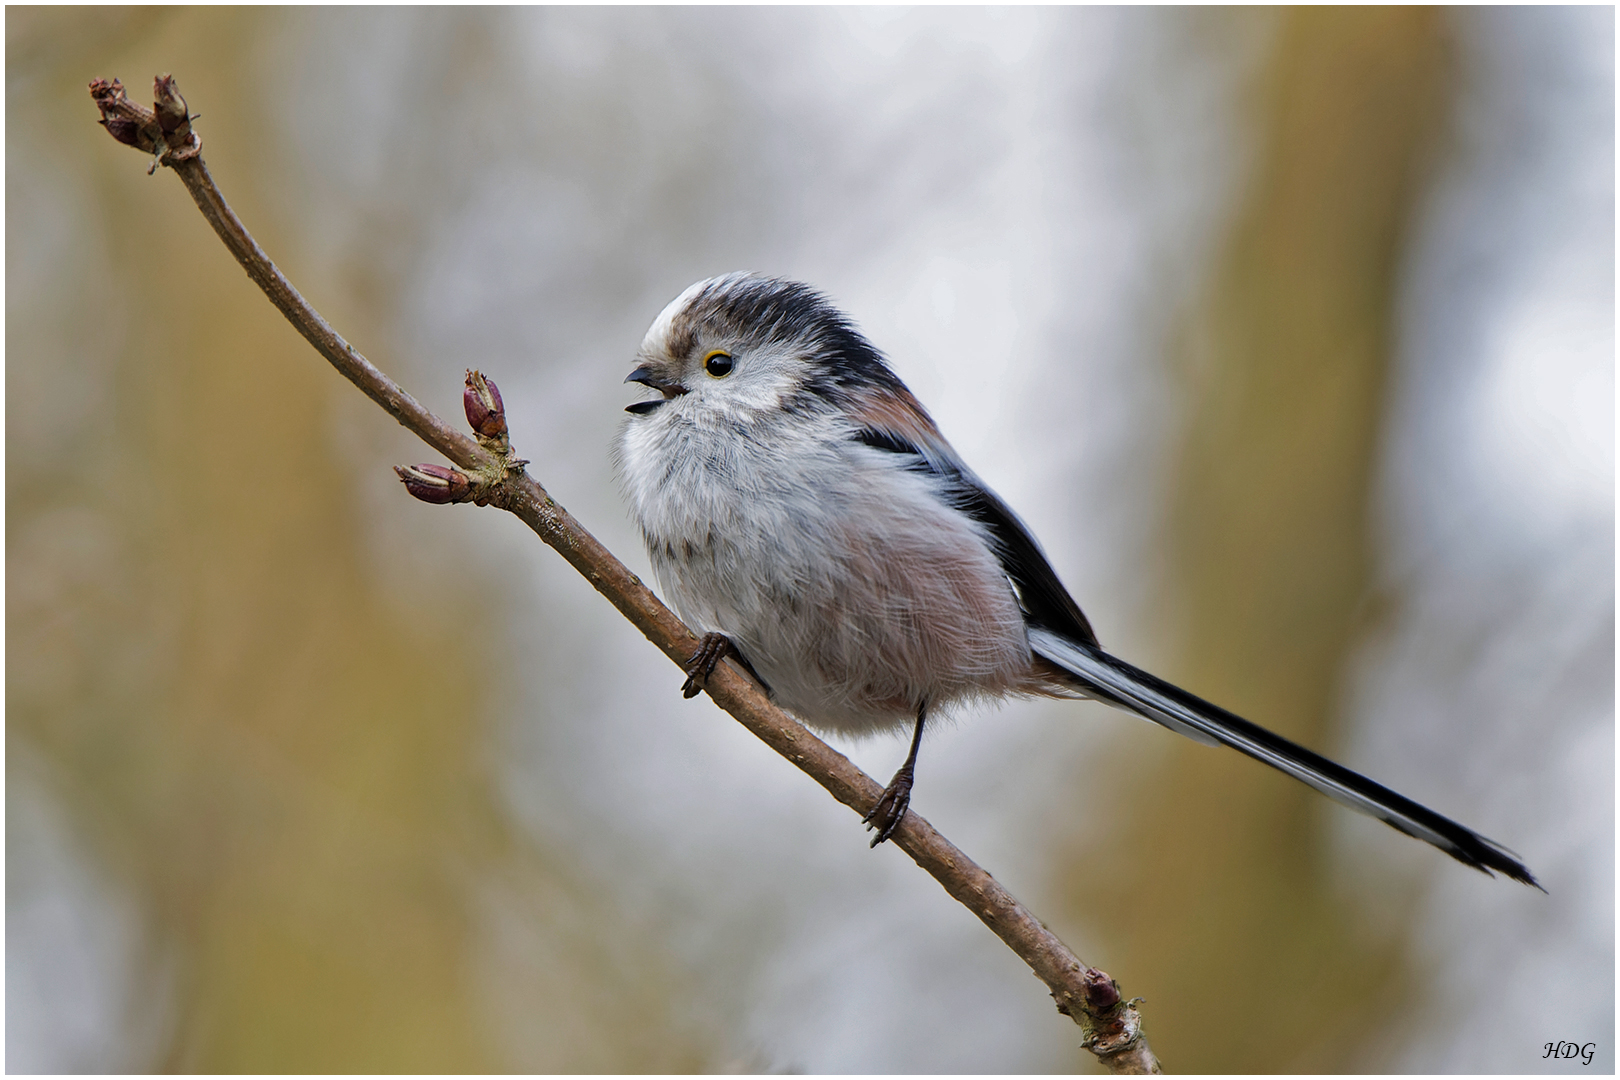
(710, 651)
(890, 808)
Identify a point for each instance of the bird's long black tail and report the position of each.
(1130, 688)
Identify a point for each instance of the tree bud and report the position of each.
(129, 123)
(174, 118)
(1102, 992)
(482, 400)
(434, 483)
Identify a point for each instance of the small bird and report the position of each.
(801, 509)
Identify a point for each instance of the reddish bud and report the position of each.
(169, 105)
(482, 401)
(109, 95)
(1102, 992)
(129, 123)
(434, 483)
(127, 132)
(174, 118)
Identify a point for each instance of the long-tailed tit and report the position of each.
(800, 507)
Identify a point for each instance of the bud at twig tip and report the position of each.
(482, 401)
(129, 123)
(434, 483)
(164, 129)
(174, 118)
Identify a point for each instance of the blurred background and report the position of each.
(1290, 333)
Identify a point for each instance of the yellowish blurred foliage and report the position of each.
(1219, 907)
(279, 750)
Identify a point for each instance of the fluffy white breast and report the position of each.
(852, 587)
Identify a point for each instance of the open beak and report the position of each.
(644, 375)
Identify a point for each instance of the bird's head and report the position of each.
(741, 346)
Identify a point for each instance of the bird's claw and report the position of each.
(887, 813)
(710, 651)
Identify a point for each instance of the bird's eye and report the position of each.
(718, 364)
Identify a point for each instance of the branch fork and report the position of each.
(486, 472)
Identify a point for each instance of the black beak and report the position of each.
(644, 375)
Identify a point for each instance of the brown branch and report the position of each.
(1112, 1026)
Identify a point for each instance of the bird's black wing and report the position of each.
(1045, 601)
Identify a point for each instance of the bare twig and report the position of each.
(1112, 1026)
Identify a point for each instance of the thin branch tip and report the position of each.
(163, 130)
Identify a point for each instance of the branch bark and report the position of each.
(1111, 1025)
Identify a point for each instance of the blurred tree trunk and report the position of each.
(282, 754)
(1217, 906)
(294, 782)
